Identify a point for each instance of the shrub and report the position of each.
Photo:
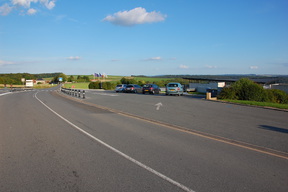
(277, 96)
(128, 81)
(244, 89)
(227, 93)
(94, 85)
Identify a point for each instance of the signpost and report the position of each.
(23, 81)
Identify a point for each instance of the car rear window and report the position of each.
(172, 85)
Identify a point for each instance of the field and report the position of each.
(76, 85)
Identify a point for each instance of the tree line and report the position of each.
(15, 78)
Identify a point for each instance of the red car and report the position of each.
(151, 88)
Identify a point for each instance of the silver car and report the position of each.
(174, 89)
(120, 88)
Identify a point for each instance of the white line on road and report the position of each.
(120, 153)
(5, 93)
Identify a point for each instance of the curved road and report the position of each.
(51, 143)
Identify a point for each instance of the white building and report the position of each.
(202, 87)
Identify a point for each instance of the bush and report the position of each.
(128, 81)
(227, 93)
(277, 96)
(244, 89)
(94, 85)
(102, 85)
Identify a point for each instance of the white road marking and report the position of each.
(183, 187)
(158, 105)
(5, 93)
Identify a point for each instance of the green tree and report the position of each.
(71, 78)
(56, 78)
(128, 81)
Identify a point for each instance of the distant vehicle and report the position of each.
(120, 88)
(151, 88)
(133, 88)
(174, 89)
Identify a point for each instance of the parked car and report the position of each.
(133, 88)
(174, 89)
(120, 88)
(151, 88)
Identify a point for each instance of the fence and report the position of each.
(74, 92)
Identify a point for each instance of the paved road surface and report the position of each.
(50, 143)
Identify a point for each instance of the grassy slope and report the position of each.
(263, 104)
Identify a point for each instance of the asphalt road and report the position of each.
(51, 143)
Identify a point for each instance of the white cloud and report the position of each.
(253, 67)
(135, 16)
(48, 4)
(31, 11)
(25, 4)
(154, 59)
(73, 58)
(5, 9)
(183, 67)
(211, 66)
(6, 63)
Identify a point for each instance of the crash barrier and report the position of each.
(74, 92)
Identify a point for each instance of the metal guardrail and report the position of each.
(74, 92)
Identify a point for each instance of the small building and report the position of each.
(202, 87)
(280, 86)
(40, 81)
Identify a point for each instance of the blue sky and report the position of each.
(144, 37)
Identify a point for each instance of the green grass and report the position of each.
(77, 85)
(263, 104)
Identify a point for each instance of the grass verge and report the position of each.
(76, 85)
(262, 104)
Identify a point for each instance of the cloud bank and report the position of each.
(135, 16)
(2, 63)
(26, 5)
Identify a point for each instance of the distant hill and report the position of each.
(271, 79)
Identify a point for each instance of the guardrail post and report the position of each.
(79, 93)
(83, 94)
